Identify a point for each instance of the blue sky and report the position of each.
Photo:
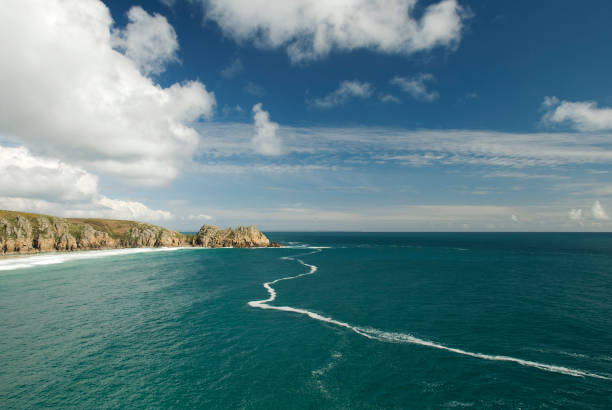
(310, 115)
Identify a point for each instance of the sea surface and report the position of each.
(356, 321)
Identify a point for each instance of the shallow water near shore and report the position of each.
(357, 321)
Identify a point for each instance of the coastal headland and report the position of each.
(24, 233)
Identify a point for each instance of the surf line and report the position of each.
(393, 337)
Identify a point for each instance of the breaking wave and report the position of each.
(22, 262)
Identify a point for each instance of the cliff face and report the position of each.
(241, 237)
(28, 233)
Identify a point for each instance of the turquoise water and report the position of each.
(375, 321)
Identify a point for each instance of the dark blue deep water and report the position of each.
(386, 321)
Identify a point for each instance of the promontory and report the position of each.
(22, 232)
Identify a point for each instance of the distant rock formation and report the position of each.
(241, 237)
(22, 232)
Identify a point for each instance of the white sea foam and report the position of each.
(319, 373)
(21, 262)
(395, 337)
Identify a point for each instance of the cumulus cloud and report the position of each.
(576, 214)
(582, 115)
(598, 211)
(148, 40)
(265, 141)
(311, 29)
(115, 208)
(48, 185)
(346, 91)
(70, 91)
(416, 86)
(27, 176)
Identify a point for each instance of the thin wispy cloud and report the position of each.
(389, 98)
(346, 91)
(424, 147)
(234, 68)
(254, 89)
(416, 86)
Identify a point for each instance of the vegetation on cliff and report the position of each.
(22, 232)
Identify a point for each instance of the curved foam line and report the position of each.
(392, 337)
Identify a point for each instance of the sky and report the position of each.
(310, 115)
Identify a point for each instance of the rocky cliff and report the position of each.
(22, 232)
(241, 237)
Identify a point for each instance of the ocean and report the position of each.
(334, 320)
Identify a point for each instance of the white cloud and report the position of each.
(512, 151)
(582, 116)
(26, 176)
(227, 111)
(148, 40)
(603, 190)
(416, 86)
(576, 214)
(67, 93)
(200, 217)
(424, 217)
(598, 211)
(115, 208)
(258, 168)
(346, 91)
(47, 185)
(265, 141)
(254, 89)
(523, 175)
(311, 29)
(514, 218)
(389, 98)
(233, 68)
(550, 102)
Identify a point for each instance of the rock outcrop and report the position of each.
(28, 233)
(241, 237)
(153, 236)
(90, 238)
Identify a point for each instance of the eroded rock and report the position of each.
(242, 237)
